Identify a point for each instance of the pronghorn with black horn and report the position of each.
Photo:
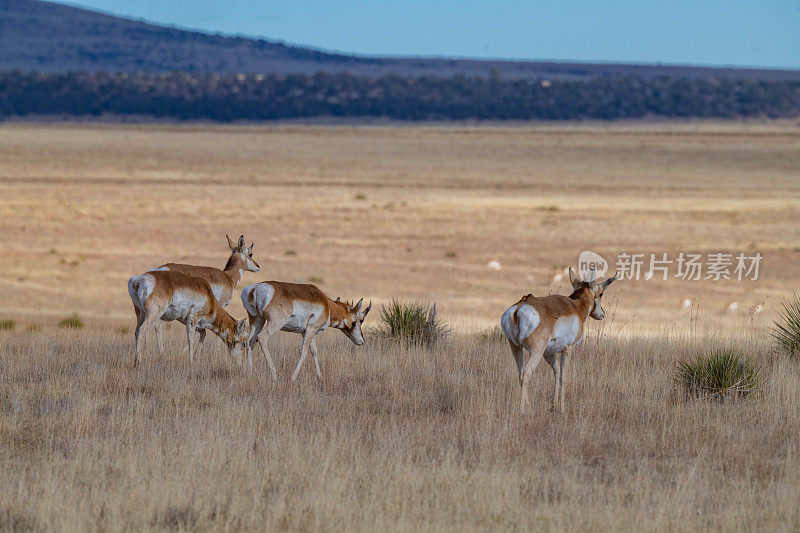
(222, 282)
(300, 308)
(165, 296)
(548, 327)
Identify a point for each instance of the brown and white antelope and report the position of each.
(300, 308)
(165, 296)
(222, 282)
(548, 327)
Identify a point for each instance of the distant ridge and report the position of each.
(48, 37)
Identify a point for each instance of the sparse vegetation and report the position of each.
(719, 375)
(415, 323)
(72, 322)
(7, 324)
(451, 254)
(360, 196)
(290, 253)
(786, 327)
(492, 335)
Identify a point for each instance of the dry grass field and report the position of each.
(394, 437)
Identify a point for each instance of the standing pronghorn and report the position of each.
(302, 309)
(164, 296)
(222, 282)
(547, 327)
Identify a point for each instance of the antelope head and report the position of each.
(242, 253)
(352, 324)
(597, 290)
(237, 340)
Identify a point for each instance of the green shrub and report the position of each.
(73, 321)
(493, 335)
(7, 324)
(786, 328)
(414, 323)
(721, 374)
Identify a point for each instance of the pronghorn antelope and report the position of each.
(165, 296)
(547, 327)
(298, 308)
(222, 282)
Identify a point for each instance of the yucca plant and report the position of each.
(73, 321)
(719, 375)
(493, 335)
(414, 323)
(786, 328)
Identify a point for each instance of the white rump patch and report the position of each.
(527, 320)
(262, 294)
(140, 288)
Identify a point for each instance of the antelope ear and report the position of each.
(575, 280)
(338, 299)
(230, 243)
(241, 241)
(251, 246)
(368, 308)
(357, 307)
(609, 281)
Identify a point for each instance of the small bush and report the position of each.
(360, 196)
(414, 323)
(290, 253)
(123, 330)
(719, 375)
(7, 324)
(493, 335)
(786, 330)
(73, 321)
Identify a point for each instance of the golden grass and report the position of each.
(393, 438)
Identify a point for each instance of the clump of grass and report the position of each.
(719, 375)
(290, 253)
(492, 335)
(451, 254)
(360, 196)
(73, 321)
(786, 328)
(7, 324)
(549, 208)
(414, 322)
(34, 328)
(123, 330)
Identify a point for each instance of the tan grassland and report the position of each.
(394, 438)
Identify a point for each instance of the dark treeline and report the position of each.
(265, 97)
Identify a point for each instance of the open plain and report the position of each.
(395, 437)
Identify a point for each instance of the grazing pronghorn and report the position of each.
(223, 282)
(165, 296)
(547, 327)
(731, 307)
(298, 308)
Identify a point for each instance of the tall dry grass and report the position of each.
(394, 438)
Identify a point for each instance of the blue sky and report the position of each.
(706, 32)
